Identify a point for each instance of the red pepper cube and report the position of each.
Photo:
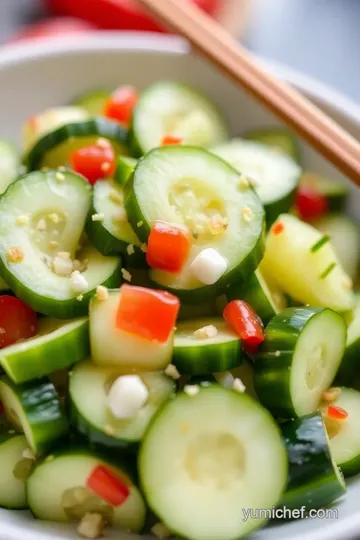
(310, 204)
(278, 228)
(337, 413)
(147, 313)
(17, 321)
(121, 104)
(246, 323)
(94, 162)
(168, 247)
(170, 140)
(108, 486)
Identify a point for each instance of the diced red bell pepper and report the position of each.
(310, 204)
(94, 162)
(168, 247)
(121, 104)
(278, 228)
(17, 321)
(171, 140)
(246, 323)
(337, 413)
(110, 488)
(147, 313)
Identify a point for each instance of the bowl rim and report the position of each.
(151, 42)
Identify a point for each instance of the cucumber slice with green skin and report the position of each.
(114, 233)
(190, 187)
(194, 355)
(89, 386)
(111, 347)
(350, 362)
(275, 176)
(335, 192)
(54, 148)
(35, 409)
(258, 295)
(344, 235)
(169, 108)
(37, 197)
(124, 168)
(54, 484)
(57, 345)
(298, 359)
(12, 488)
(9, 164)
(309, 276)
(196, 311)
(278, 138)
(205, 457)
(93, 102)
(344, 435)
(314, 478)
(49, 120)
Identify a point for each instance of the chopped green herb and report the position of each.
(323, 240)
(327, 271)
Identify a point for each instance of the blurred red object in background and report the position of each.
(116, 14)
(55, 27)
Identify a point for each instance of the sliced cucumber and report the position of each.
(299, 359)
(349, 367)
(344, 435)
(197, 351)
(124, 168)
(9, 164)
(208, 456)
(89, 385)
(197, 311)
(34, 408)
(191, 187)
(335, 191)
(57, 491)
(12, 462)
(36, 198)
(274, 175)
(54, 148)
(57, 345)
(169, 108)
(37, 126)
(344, 234)
(116, 348)
(113, 234)
(314, 478)
(307, 275)
(278, 138)
(93, 102)
(258, 295)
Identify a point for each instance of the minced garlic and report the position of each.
(126, 274)
(331, 394)
(246, 214)
(78, 282)
(15, 255)
(130, 249)
(238, 385)
(160, 531)
(41, 225)
(116, 196)
(171, 371)
(102, 293)
(191, 389)
(54, 217)
(98, 217)
(92, 525)
(206, 332)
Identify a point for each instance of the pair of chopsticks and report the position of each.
(206, 35)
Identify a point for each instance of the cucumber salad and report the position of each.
(179, 320)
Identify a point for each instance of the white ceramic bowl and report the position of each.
(34, 77)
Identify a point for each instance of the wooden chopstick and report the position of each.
(206, 35)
